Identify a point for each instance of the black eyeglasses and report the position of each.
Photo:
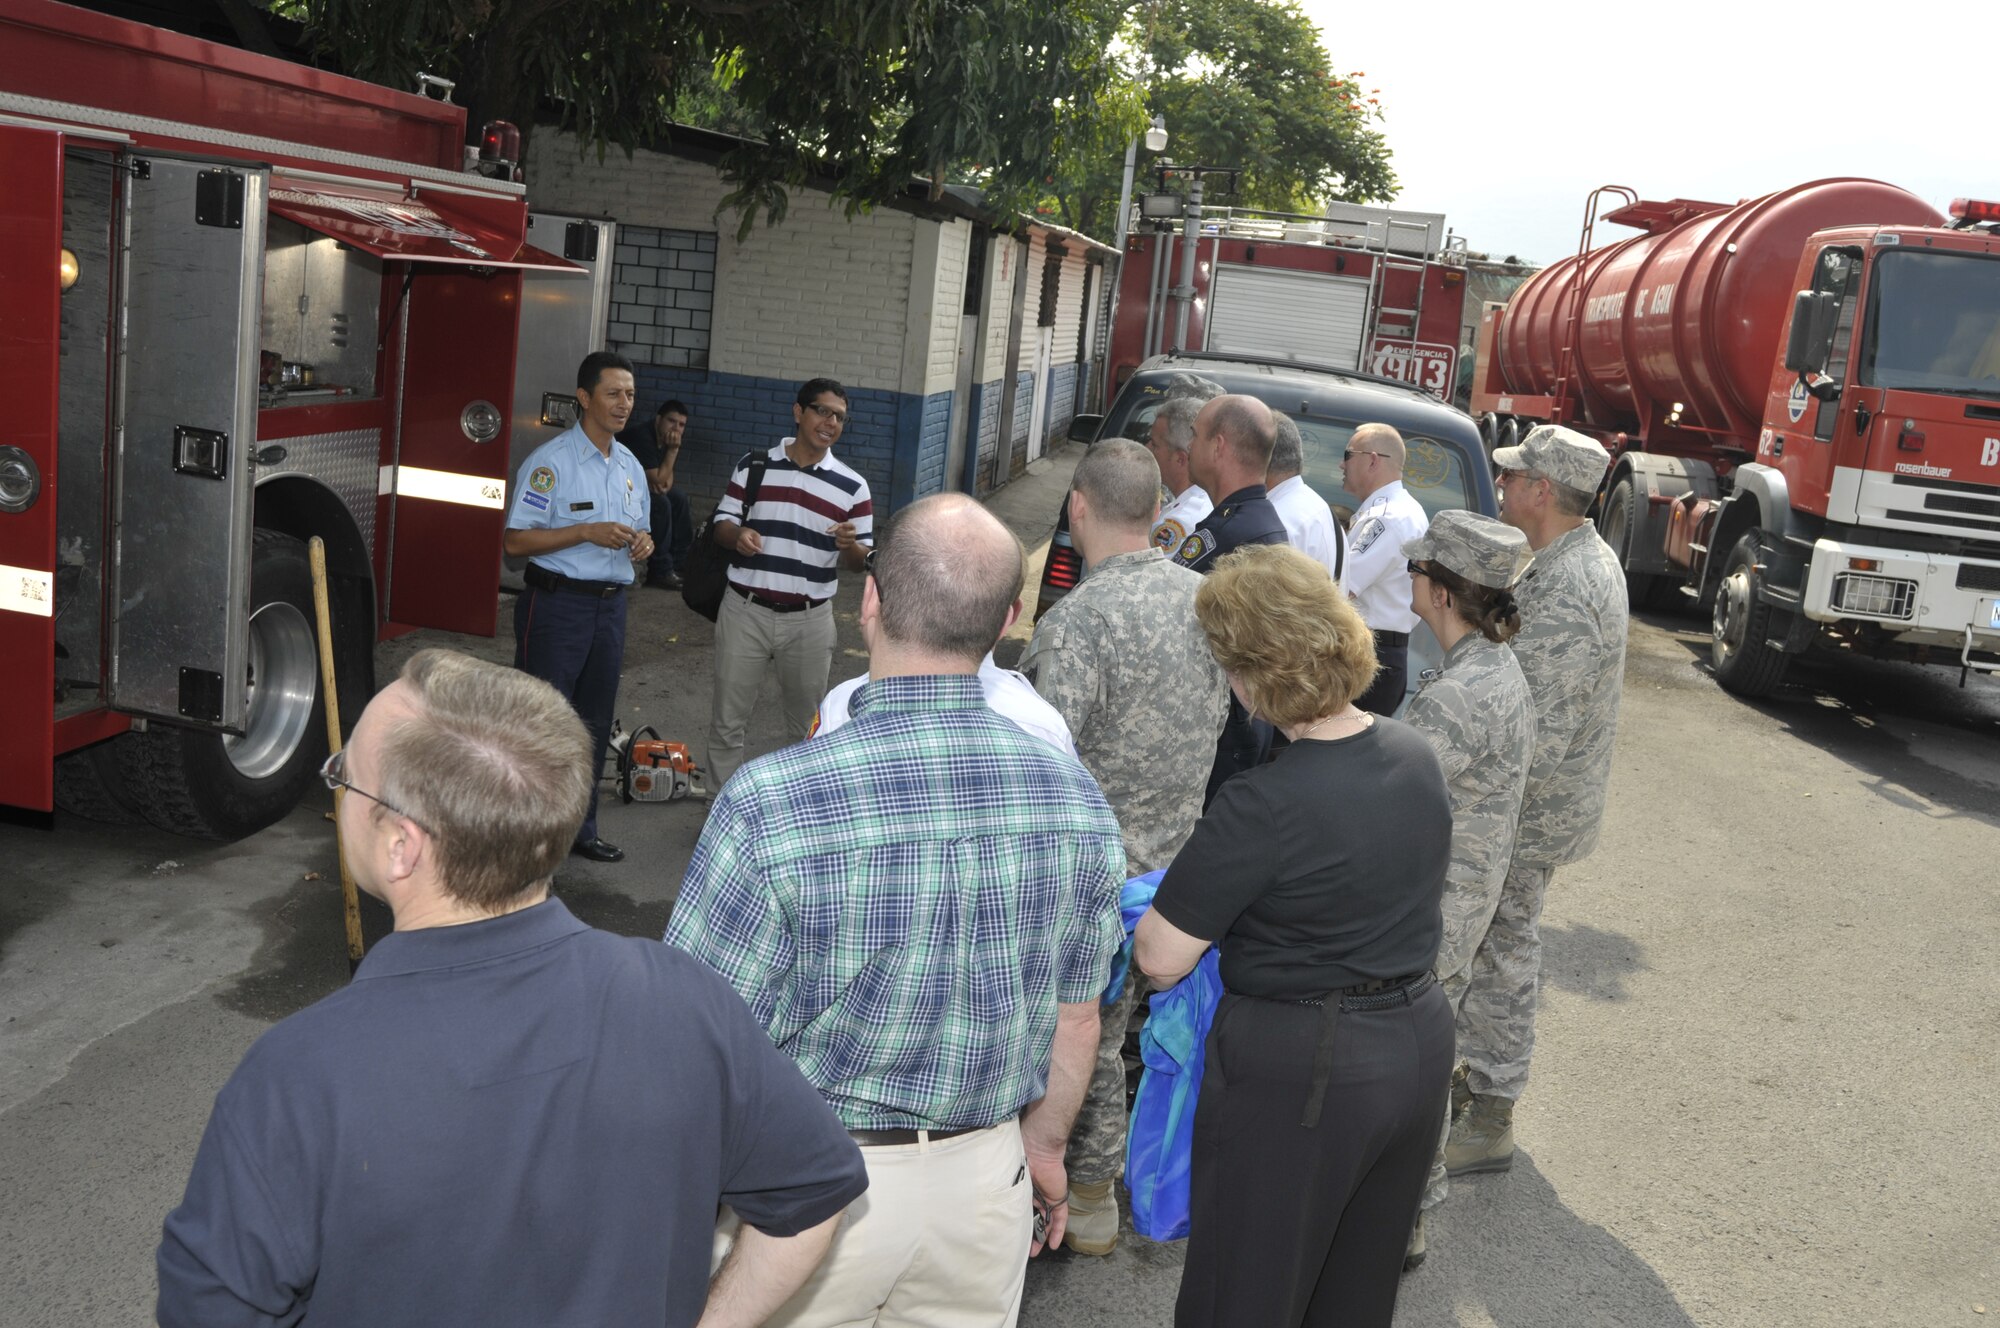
(827, 412)
(1355, 452)
(334, 773)
(1417, 568)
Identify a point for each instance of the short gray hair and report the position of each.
(1179, 413)
(1121, 481)
(496, 767)
(1571, 502)
(946, 574)
(1288, 454)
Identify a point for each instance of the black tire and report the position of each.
(96, 784)
(1616, 525)
(212, 786)
(1742, 626)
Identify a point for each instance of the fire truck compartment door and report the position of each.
(1288, 315)
(186, 400)
(447, 486)
(31, 215)
(427, 232)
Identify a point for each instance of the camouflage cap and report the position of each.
(1564, 455)
(1483, 551)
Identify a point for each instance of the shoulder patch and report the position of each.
(1168, 533)
(543, 480)
(1370, 531)
(538, 501)
(1195, 546)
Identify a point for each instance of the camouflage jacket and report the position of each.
(1124, 660)
(1572, 649)
(1479, 719)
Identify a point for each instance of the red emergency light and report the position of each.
(499, 149)
(1975, 209)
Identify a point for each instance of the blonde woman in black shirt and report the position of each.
(1319, 877)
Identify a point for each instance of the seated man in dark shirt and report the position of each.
(657, 445)
(507, 1117)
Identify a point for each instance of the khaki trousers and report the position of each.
(749, 639)
(940, 1240)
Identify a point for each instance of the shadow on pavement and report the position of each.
(1589, 961)
(1920, 740)
(1506, 1251)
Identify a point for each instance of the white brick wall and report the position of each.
(941, 364)
(818, 294)
(1003, 259)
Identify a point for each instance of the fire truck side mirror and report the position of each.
(1811, 339)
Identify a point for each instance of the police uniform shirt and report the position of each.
(568, 482)
(1178, 518)
(1244, 517)
(1378, 575)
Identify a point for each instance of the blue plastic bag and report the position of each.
(1159, 1143)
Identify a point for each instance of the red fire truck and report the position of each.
(242, 303)
(1361, 288)
(1801, 394)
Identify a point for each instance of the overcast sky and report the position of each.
(1504, 116)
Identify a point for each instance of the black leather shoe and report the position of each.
(665, 581)
(598, 850)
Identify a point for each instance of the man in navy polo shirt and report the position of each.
(581, 517)
(507, 1118)
(813, 516)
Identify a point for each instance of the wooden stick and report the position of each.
(349, 899)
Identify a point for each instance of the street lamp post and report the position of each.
(1156, 141)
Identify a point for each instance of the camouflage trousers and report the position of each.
(1492, 996)
(1097, 1141)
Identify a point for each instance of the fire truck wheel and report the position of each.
(226, 786)
(1641, 588)
(96, 784)
(1740, 647)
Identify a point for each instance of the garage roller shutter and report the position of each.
(1288, 315)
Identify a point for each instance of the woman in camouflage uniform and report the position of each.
(1477, 714)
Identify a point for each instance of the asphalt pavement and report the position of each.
(1765, 1089)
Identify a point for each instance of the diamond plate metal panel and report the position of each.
(346, 462)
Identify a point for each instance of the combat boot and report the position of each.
(1461, 1091)
(1482, 1139)
(1413, 1256)
(1093, 1217)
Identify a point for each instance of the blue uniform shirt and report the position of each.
(567, 482)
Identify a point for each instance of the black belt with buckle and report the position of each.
(541, 578)
(773, 605)
(1362, 996)
(886, 1138)
(1392, 638)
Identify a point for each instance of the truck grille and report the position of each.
(1978, 576)
(1875, 596)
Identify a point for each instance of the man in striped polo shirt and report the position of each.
(812, 516)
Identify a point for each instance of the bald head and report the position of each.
(1245, 424)
(947, 574)
(1384, 439)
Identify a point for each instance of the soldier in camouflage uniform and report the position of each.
(1477, 715)
(1124, 660)
(1572, 650)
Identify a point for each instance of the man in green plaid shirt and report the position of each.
(921, 907)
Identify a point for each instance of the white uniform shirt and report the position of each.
(1309, 524)
(1179, 518)
(1378, 575)
(1007, 692)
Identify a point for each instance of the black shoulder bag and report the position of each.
(705, 574)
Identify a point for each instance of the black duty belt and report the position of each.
(886, 1138)
(541, 578)
(1392, 638)
(775, 606)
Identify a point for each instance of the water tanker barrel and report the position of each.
(1692, 314)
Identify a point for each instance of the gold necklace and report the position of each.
(1359, 716)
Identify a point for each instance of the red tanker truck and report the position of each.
(1801, 397)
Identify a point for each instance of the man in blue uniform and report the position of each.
(581, 517)
(1233, 439)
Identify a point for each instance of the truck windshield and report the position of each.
(1937, 324)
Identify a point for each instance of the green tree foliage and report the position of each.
(861, 94)
(1243, 83)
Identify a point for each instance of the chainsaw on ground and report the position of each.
(652, 770)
